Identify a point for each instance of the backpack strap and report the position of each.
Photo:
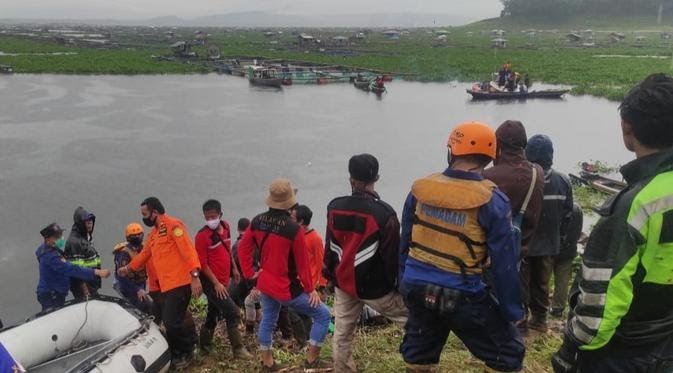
(533, 179)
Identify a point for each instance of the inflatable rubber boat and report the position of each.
(104, 334)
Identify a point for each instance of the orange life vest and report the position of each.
(446, 232)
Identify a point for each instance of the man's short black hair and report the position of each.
(648, 108)
(479, 159)
(153, 203)
(243, 224)
(304, 214)
(212, 204)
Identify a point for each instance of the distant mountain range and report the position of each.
(269, 19)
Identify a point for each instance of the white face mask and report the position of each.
(213, 224)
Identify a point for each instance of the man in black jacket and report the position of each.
(621, 305)
(557, 207)
(563, 262)
(361, 257)
(80, 250)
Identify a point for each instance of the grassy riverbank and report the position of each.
(376, 350)
(606, 70)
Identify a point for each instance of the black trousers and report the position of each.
(219, 308)
(180, 335)
(652, 358)
(238, 292)
(535, 275)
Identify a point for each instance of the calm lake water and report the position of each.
(106, 142)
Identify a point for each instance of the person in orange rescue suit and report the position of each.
(177, 267)
(453, 224)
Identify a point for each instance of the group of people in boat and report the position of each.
(512, 81)
(472, 253)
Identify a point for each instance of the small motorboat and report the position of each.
(264, 76)
(377, 90)
(369, 86)
(362, 84)
(104, 334)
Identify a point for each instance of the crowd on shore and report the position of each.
(472, 253)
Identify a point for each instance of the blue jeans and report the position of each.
(476, 321)
(271, 307)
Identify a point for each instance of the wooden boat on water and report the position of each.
(264, 77)
(369, 86)
(492, 92)
(362, 84)
(549, 94)
(599, 182)
(377, 90)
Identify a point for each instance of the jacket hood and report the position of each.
(79, 217)
(541, 151)
(512, 134)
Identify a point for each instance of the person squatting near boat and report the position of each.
(454, 267)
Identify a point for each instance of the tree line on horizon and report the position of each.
(563, 9)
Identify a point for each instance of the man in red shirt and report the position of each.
(314, 244)
(213, 245)
(284, 276)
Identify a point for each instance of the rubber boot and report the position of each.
(237, 347)
(206, 339)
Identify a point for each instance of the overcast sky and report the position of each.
(133, 9)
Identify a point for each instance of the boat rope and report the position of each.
(86, 317)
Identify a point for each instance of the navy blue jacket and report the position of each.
(496, 219)
(127, 286)
(56, 272)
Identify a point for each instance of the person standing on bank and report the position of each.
(177, 268)
(563, 262)
(361, 257)
(513, 174)
(56, 272)
(213, 245)
(557, 208)
(284, 276)
(80, 251)
(621, 305)
(452, 225)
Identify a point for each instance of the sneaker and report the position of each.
(318, 366)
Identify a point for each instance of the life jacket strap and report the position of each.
(461, 236)
(459, 262)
